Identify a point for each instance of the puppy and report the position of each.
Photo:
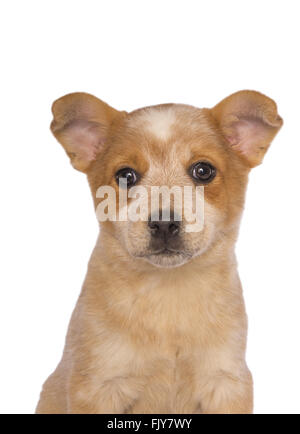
(160, 325)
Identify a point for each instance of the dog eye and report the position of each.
(127, 174)
(203, 172)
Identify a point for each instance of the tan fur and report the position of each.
(167, 339)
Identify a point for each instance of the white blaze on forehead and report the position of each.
(159, 121)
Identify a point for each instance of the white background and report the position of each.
(132, 54)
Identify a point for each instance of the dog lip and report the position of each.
(166, 251)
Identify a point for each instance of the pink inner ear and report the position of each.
(84, 139)
(247, 135)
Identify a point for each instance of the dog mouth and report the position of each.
(167, 257)
(165, 252)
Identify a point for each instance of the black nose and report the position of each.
(164, 229)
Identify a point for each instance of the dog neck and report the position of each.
(110, 259)
(152, 303)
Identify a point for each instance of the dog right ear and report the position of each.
(249, 121)
(80, 123)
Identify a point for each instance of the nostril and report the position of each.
(153, 226)
(173, 228)
(164, 229)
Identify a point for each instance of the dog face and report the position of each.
(168, 146)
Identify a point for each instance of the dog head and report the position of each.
(170, 146)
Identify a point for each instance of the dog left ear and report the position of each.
(249, 121)
(81, 123)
